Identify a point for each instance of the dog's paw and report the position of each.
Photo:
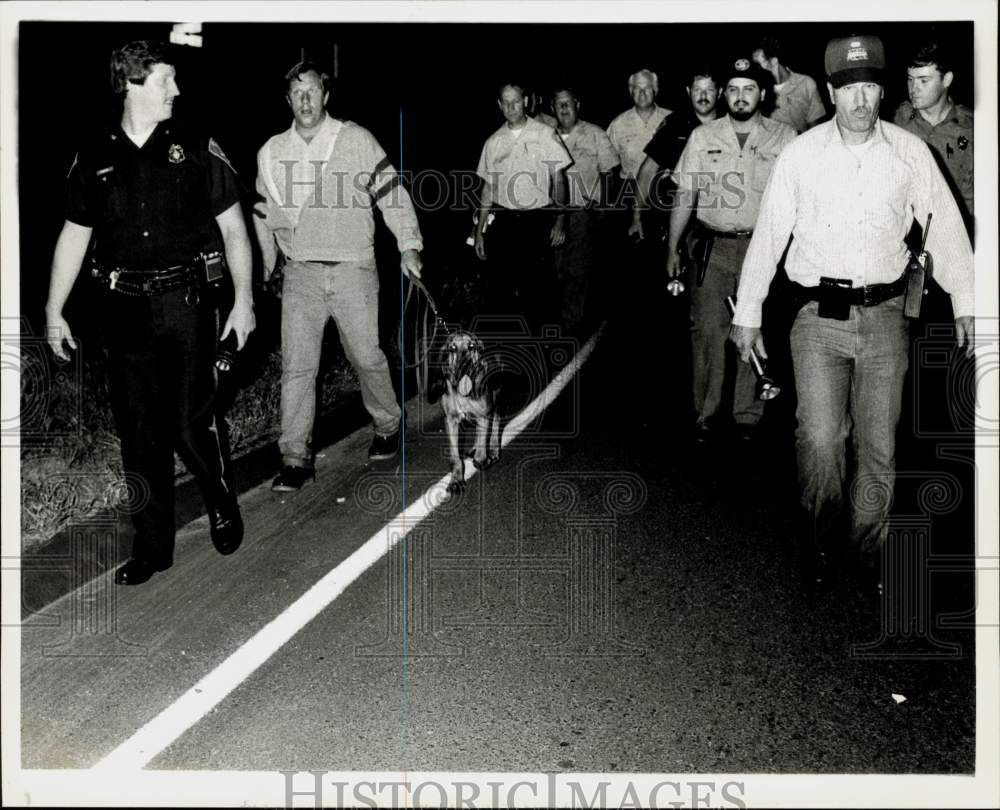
(456, 486)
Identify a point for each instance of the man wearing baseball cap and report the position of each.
(849, 190)
(721, 175)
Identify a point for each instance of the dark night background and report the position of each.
(441, 76)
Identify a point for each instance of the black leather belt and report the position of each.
(856, 296)
(512, 213)
(730, 234)
(144, 284)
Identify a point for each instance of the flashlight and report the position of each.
(766, 387)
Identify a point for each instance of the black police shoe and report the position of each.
(384, 447)
(135, 571)
(292, 479)
(227, 527)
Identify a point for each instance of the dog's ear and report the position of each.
(482, 378)
(437, 369)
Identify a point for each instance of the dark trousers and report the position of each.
(162, 378)
(520, 259)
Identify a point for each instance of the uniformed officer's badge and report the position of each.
(176, 153)
(963, 142)
(742, 64)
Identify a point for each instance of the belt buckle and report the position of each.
(867, 296)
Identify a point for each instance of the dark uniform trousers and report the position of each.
(153, 208)
(522, 271)
(163, 387)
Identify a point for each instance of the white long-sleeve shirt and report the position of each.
(849, 210)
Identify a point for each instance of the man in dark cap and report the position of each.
(721, 176)
(849, 189)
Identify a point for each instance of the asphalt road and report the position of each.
(607, 598)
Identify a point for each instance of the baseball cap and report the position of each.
(858, 58)
(746, 68)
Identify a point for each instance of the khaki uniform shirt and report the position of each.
(952, 145)
(797, 102)
(519, 167)
(592, 155)
(730, 181)
(629, 135)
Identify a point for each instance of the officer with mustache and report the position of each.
(721, 177)
(849, 190)
(665, 147)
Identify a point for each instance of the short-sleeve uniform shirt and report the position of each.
(519, 164)
(629, 134)
(951, 143)
(152, 206)
(797, 102)
(592, 154)
(730, 180)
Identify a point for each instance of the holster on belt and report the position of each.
(207, 269)
(918, 269)
(695, 248)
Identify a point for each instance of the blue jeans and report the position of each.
(312, 293)
(849, 380)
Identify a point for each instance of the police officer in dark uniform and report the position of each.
(151, 201)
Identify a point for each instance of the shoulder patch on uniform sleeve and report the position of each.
(215, 149)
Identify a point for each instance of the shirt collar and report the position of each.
(322, 132)
(760, 122)
(117, 134)
(635, 113)
(833, 135)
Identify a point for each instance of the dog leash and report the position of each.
(425, 333)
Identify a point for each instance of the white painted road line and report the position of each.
(160, 732)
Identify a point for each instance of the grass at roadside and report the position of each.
(71, 456)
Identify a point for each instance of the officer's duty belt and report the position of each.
(730, 234)
(144, 284)
(855, 296)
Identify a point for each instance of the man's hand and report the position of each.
(241, 321)
(58, 331)
(635, 227)
(480, 245)
(411, 264)
(673, 264)
(965, 334)
(747, 338)
(558, 233)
